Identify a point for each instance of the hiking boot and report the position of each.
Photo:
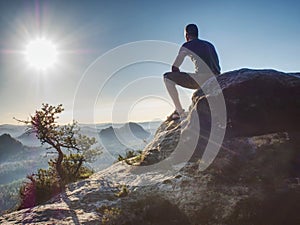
(176, 116)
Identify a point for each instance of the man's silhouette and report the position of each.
(205, 58)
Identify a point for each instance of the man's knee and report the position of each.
(168, 79)
(167, 75)
(170, 76)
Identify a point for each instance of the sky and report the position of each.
(246, 34)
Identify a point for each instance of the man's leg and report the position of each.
(182, 79)
(170, 85)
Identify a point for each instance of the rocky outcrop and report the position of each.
(257, 101)
(252, 180)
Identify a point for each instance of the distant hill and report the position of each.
(137, 130)
(29, 139)
(128, 129)
(134, 129)
(151, 126)
(129, 136)
(18, 160)
(13, 130)
(89, 130)
(9, 147)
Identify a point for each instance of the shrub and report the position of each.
(131, 157)
(45, 184)
(124, 191)
(64, 168)
(110, 216)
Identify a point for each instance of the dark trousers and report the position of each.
(183, 79)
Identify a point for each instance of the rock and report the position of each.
(165, 141)
(257, 101)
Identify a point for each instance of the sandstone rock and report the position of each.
(163, 144)
(257, 101)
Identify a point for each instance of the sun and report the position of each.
(41, 53)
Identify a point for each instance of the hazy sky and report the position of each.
(252, 34)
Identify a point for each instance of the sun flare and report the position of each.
(41, 54)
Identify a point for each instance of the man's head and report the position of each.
(191, 32)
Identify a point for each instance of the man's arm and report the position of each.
(215, 60)
(179, 59)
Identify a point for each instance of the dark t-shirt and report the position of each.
(203, 49)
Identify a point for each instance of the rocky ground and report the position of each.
(252, 181)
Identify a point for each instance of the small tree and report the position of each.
(65, 168)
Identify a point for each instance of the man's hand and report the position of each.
(175, 69)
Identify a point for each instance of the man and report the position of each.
(205, 58)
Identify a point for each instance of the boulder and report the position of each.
(257, 101)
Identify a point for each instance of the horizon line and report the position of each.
(98, 123)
